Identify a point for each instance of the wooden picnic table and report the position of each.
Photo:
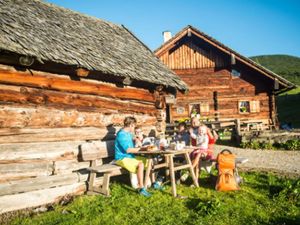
(169, 164)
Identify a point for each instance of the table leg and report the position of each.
(167, 162)
(148, 171)
(172, 174)
(187, 157)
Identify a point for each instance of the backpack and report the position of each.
(226, 171)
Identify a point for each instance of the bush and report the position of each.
(292, 145)
(266, 145)
(288, 145)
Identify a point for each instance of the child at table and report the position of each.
(182, 134)
(195, 123)
(202, 143)
(139, 137)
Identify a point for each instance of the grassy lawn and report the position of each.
(288, 107)
(263, 199)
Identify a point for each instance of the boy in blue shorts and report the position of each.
(124, 147)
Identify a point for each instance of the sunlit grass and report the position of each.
(263, 199)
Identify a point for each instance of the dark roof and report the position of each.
(51, 33)
(285, 83)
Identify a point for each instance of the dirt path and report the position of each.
(282, 162)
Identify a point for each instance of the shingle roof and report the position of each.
(51, 33)
(287, 84)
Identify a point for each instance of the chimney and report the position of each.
(167, 36)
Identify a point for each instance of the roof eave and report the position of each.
(227, 50)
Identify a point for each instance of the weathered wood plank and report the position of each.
(44, 182)
(68, 166)
(43, 151)
(37, 183)
(39, 116)
(27, 135)
(15, 171)
(40, 197)
(68, 100)
(64, 83)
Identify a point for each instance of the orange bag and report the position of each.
(226, 165)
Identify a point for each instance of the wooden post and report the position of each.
(238, 127)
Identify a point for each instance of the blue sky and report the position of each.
(250, 27)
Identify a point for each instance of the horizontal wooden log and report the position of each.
(16, 171)
(37, 183)
(68, 166)
(42, 151)
(41, 197)
(64, 83)
(25, 116)
(68, 100)
(44, 182)
(27, 135)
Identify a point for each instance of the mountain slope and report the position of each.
(284, 65)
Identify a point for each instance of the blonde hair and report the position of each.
(203, 129)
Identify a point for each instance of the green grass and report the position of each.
(263, 199)
(288, 107)
(292, 92)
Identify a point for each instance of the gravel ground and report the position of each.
(285, 163)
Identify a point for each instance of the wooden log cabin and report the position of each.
(224, 85)
(67, 78)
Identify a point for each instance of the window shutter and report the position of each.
(254, 106)
(204, 107)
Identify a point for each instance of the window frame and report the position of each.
(246, 107)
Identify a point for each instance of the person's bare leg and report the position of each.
(196, 160)
(140, 174)
(196, 172)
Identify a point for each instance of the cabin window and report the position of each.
(194, 110)
(244, 106)
(249, 106)
(235, 73)
(198, 108)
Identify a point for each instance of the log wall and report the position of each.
(230, 90)
(44, 118)
(207, 70)
(190, 56)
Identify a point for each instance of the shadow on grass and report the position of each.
(286, 220)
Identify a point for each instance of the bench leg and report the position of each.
(105, 186)
(90, 187)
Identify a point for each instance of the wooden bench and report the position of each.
(96, 152)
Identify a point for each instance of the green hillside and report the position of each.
(288, 103)
(284, 65)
